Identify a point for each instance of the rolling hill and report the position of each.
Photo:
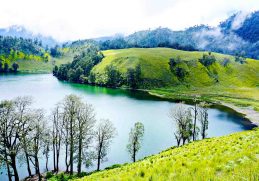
(233, 82)
(231, 157)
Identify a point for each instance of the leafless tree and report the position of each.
(47, 145)
(195, 112)
(182, 119)
(135, 138)
(56, 135)
(37, 133)
(85, 123)
(103, 136)
(23, 108)
(203, 118)
(71, 104)
(10, 131)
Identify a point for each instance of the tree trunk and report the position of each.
(37, 169)
(194, 125)
(99, 156)
(58, 150)
(8, 170)
(67, 164)
(47, 161)
(79, 155)
(13, 164)
(71, 148)
(98, 163)
(54, 153)
(134, 152)
(28, 164)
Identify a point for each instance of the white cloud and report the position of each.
(75, 19)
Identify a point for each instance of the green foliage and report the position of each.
(114, 78)
(113, 166)
(79, 69)
(231, 157)
(207, 60)
(133, 77)
(16, 52)
(49, 175)
(135, 138)
(55, 51)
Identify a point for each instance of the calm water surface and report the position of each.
(122, 107)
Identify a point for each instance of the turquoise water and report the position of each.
(122, 107)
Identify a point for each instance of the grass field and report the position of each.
(232, 157)
(236, 83)
(32, 66)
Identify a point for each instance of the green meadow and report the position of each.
(233, 83)
(232, 157)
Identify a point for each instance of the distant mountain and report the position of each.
(20, 31)
(244, 25)
(239, 34)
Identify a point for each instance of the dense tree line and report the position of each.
(27, 46)
(13, 49)
(4, 67)
(122, 43)
(79, 70)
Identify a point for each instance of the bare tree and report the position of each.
(65, 139)
(103, 136)
(47, 145)
(85, 123)
(71, 104)
(135, 138)
(203, 118)
(23, 108)
(195, 128)
(10, 131)
(37, 133)
(182, 120)
(56, 135)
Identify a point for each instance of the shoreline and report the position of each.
(247, 112)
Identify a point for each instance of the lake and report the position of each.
(122, 107)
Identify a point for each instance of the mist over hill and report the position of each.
(239, 34)
(22, 32)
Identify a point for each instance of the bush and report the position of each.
(49, 175)
(207, 60)
(113, 166)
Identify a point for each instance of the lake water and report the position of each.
(122, 107)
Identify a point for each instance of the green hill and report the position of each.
(232, 157)
(225, 80)
(155, 66)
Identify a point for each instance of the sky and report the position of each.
(79, 19)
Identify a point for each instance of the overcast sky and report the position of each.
(78, 19)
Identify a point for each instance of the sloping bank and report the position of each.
(231, 157)
(248, 112)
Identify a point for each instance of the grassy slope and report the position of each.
(232, 157)
(31, 66)
(238, 83)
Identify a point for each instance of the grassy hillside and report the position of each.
(232, 157)
(154, 64)
(233, 83)
(32, 66)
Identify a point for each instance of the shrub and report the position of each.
(49, 175)
(113, 166)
